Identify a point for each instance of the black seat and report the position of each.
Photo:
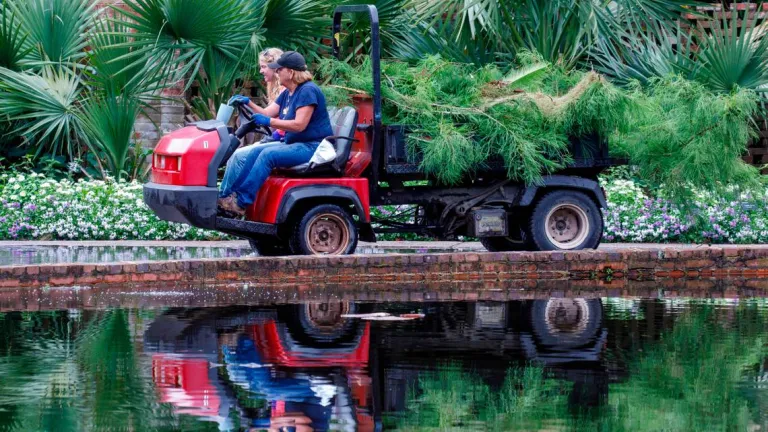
(344, 124)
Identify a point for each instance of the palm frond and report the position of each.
(110, 70)
(298, 25)
(472, 17)
(633, 55)
(108, 121)
(12, 39)
(560, 31)
(43, 107)
(56, 29)
(416, 41)
(735, 54)
(221, 73)
(563, 31)
(174, 35)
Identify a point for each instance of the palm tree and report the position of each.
(562, 31)
(732, 55)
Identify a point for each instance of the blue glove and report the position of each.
(238, 99)
(261, 119)
(276, 135)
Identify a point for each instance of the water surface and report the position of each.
(558, 364)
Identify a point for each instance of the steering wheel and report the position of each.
(248, 126)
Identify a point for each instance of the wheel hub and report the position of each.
(567, 226)
(328, 234)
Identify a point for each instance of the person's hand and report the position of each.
(261, 119)
(239, 99)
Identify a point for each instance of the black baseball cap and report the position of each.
(290, 60)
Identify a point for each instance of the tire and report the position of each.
(566, 220)
(566, 324)
(325, 230)
(329, 330)
(270, 247)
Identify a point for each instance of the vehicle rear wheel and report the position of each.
(325, 230)
(563, 324)
(566, 220)
(270, 247)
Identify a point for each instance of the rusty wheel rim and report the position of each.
(327, 317)
(567, 226)
(328, 234)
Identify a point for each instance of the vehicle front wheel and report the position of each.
(566, 220)
(325, 230)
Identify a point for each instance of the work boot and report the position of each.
(229, 205)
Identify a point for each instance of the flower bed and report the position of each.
(35, 207)
(634, 216)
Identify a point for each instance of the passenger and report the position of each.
(303, 116)
(243, 157)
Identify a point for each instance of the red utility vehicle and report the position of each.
(325, 209)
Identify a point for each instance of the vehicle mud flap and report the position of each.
(366, 233)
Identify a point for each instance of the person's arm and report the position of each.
(303, 115)
(272, 110)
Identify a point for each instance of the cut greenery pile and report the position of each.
(462, 117)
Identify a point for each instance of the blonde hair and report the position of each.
(270, 55)
(300, 77)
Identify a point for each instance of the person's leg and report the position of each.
(239, 165)
(284, 156)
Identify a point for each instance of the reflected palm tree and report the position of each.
(60, 373)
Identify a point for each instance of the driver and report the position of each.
(303, 117)
(245, 156)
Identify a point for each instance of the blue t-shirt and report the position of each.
(319, 125)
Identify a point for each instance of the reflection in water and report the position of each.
(30, 255)
(38, 254)
(559, 364)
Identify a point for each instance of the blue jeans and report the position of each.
(280, 156)
(239, 164)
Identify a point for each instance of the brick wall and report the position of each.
(694, 265)
(169, 294)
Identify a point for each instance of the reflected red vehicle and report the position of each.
(307, 365)
(292, 381)
(184, 383)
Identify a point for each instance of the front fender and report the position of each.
(328, 193)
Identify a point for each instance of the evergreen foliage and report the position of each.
(463, 116)
(684, 135)
(677, 132)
